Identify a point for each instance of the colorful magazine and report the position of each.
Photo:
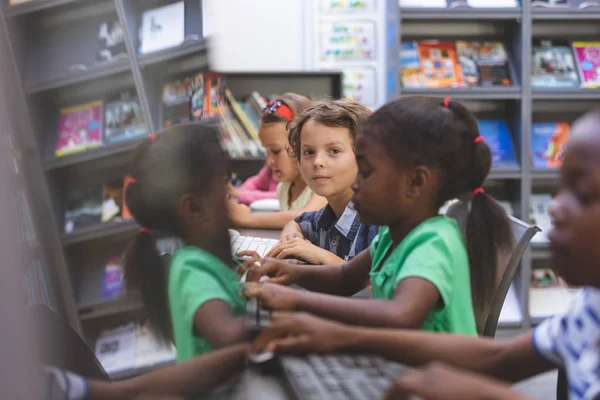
(553, 65)
(79, 128)
(483, 63)
(112, 285)
(497, 136)
(588, 61)
(548, 141)
(439, 64)
(410, 66)
(123, 121)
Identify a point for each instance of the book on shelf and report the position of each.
(17, 2)
(538, 216)
(111, 41)
(123, 120)
(83, 208)
(162, 27)
(112, 283)
(497, 137)
(549, 294)
(177, 100)
(437, 62)
(79, 128)
(130, 347)
(483, 63)
(548, 141)
(587, 55)
(553, 65)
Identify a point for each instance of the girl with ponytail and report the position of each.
(177, 187)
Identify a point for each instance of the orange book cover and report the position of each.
(125, 213)
(440, 65)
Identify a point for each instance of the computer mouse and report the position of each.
(265, 205)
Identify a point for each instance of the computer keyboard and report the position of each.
(328, 376)
(257, 244)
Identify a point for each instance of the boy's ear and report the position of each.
(418, 180)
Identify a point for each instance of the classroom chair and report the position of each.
(523, 233)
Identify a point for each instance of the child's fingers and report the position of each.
(292, 344)
(251, 289)
(276, 330)
(248, 253)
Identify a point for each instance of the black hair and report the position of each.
(443, 134)
(183, 159)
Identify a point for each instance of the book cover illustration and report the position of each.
(179, 97)
(111, 41)
(484, 63)
(548, 141)
(112, 284)
(115, 348)
(497, 137)
(83, 208)
(123, 120)
(588, 61)
(79, 128)
(553, 65)
(342, 41)
(214, 94)
(410, 66)
(162, 27)
(439, 64)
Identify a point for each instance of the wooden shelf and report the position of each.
(187, 48)
(100, 231)
(35, 6)
(565, 94)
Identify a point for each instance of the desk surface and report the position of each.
(265, 233)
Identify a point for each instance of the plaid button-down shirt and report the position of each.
(345, 236)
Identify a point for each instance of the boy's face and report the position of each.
(575, 211)
(274, 139)
(327, 159)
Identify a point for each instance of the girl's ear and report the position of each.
(418, 180)
(191, 207)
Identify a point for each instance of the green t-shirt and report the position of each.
(195, 277)
(434, 251)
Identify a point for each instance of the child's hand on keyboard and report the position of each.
(278, 271)
(250, 258)
(274, 297)
(302, 332)
(301, 249)
(290, 236)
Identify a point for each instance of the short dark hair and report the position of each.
(333, 113)
(183, 159)
(442, 134)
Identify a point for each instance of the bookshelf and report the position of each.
(53, 45)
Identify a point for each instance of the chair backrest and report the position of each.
(523, 233)
(508, 263)
(61, 346)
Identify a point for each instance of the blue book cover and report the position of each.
(410, 65)
(548, 140)
(497, 136)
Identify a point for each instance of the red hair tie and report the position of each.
(446, 102)
(478, 139)
(129, 179)
(152, 137)
(144, 230)
(477, 191)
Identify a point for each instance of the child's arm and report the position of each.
(189, 379)
(511, 360)
(242, 217)
(441, 382)
(256, 187)
(340, 279)
(214, 321)
(413, 300)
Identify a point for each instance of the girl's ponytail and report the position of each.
(488, 238)
(143, 255)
